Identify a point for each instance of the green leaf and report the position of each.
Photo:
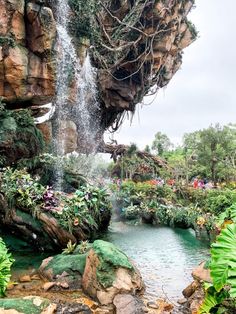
(212, 299)
(223, 263)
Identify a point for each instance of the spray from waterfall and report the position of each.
(83, 109)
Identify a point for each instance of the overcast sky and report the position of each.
(203, 91)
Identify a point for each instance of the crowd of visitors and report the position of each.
(202, 184)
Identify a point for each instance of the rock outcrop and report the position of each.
(109, 272)
(195, 293)
(27, 37)
(136, 47)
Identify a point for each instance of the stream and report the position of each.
(164, 256)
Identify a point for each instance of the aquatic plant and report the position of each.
(6, 261)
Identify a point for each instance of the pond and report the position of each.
(164, 256)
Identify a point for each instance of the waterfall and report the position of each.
(85, 112)
(87, 109)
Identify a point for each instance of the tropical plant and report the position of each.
(222, 270)
(25, 192)
(6, 262)
(69, 248)
(85, 207)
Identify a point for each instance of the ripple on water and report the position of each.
(165, 256)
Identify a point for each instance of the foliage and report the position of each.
(223, 260)
(6, 261)
(17, 127)
(222, 269)
(161, 143)
(25, 192)
(213, 149)
(214, 201)
(218, 200)
(82, 23)
(20, 188)
(142, 192)
(83, 247)
(69, 248)
(85, 208)
(184, 217)
(212, 301)
(8, 41)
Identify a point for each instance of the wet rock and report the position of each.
(200, 273)
(182, 301)
(68, 134)
(128, 304)
(25, 278)
(152, 305)
(109, 272)
(50, 309)
(35, 277)
(48, 285)
(73, 308)
(190, 289)
(41, 28)
(164, 307)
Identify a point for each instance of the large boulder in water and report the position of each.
(109, 272)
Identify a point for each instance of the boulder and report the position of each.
(200, 273)
(128, 304)
(64, 269)
(190, 289)
(109, 272)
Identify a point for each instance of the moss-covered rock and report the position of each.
(27, 305)
(108, 272)
(66, 268)
(110, 258)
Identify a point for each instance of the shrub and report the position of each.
(218, 200)
(85, 207)
(6, 261)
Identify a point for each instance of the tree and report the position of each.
(161, 143)
(213, 150)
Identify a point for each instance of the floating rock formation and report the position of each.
(136, 48)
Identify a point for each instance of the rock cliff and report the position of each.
(27, 37)
(136, 47)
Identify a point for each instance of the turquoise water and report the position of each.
(164, 256)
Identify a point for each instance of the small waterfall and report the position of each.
(85, 112)
(87, 109)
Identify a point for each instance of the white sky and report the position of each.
(203, 91)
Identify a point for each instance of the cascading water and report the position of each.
(87, 109)
(85, 112)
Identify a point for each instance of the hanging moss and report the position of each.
(81, 24)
